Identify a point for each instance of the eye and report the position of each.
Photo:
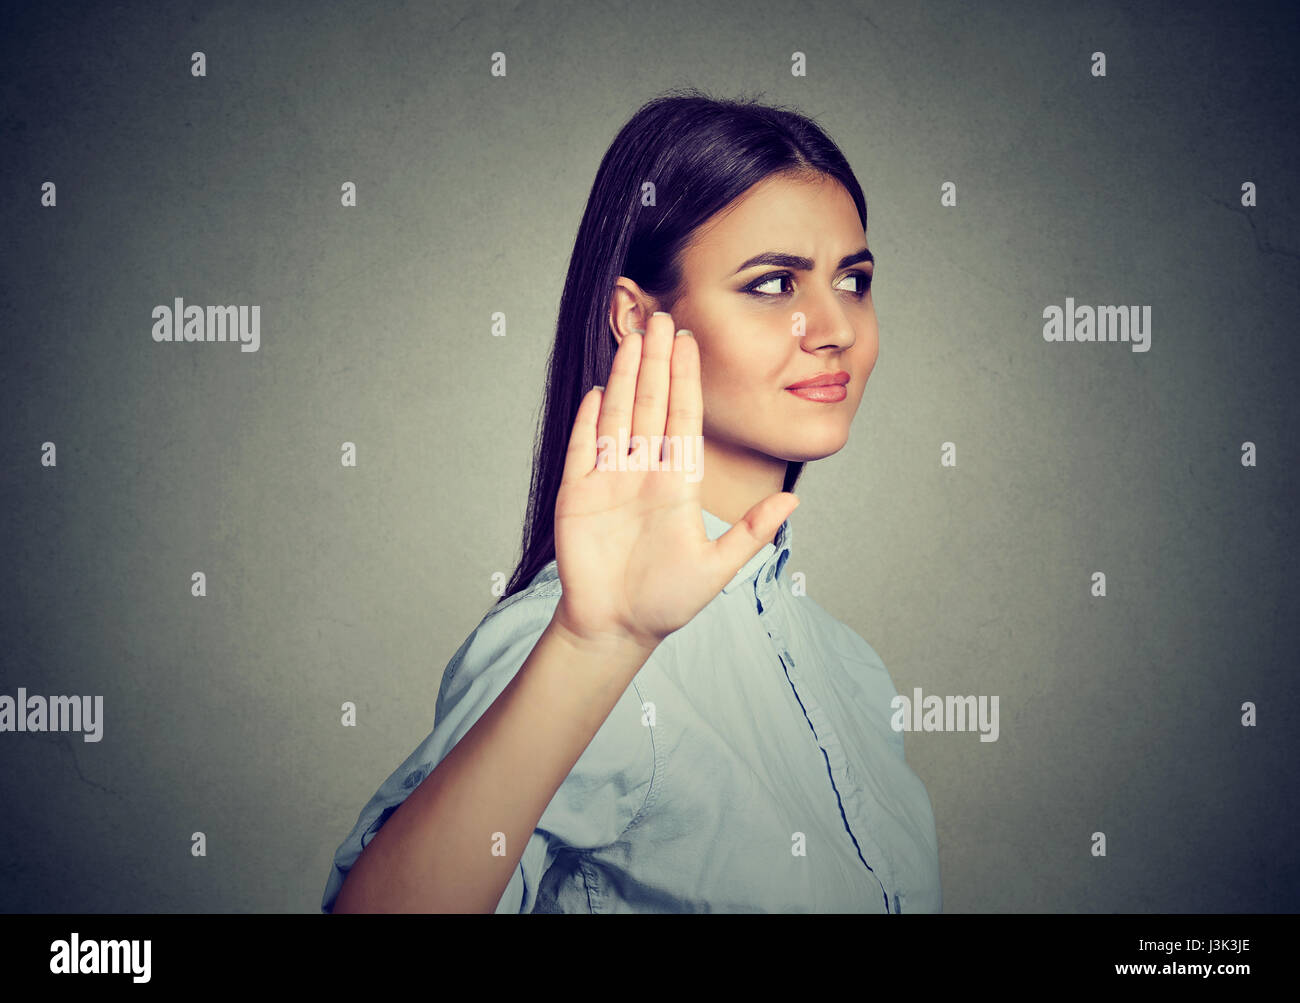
(861, 278)
(753, 287)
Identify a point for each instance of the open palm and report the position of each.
(633, 558)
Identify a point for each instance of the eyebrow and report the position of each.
(802, 264)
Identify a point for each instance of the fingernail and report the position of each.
(601, 389)
(638, 330)
(685, 332)
(661, 313)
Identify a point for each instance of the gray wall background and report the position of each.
(328, 584)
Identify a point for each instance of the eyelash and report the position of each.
(863, 277)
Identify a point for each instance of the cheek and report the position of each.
(739, 369)
(866, 350)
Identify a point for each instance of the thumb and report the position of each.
(746, 538)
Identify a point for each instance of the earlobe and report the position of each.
(618, 335)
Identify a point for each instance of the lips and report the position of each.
(838, 379)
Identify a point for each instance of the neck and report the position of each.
(736, 479)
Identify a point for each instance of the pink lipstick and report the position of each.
(824, 387)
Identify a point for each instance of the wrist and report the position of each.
(616, 643)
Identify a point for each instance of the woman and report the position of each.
(655, 717)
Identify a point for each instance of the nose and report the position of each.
(826, 324)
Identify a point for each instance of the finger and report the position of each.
(650, 407)
(580, 458)
(746, 538)
(685, 400)
(616, 401)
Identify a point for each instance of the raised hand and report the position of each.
(634, 561)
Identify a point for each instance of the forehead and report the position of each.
(817, 219)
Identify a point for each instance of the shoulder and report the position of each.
(488, 659)
(538, 598)
(505, 635)
(493, 655)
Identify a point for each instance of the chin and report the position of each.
(815, 448)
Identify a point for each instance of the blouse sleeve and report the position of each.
(597, 800)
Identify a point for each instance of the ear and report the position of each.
(629, 308)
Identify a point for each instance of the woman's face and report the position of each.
(763, 326)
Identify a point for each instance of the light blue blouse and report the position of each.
(749, 767)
